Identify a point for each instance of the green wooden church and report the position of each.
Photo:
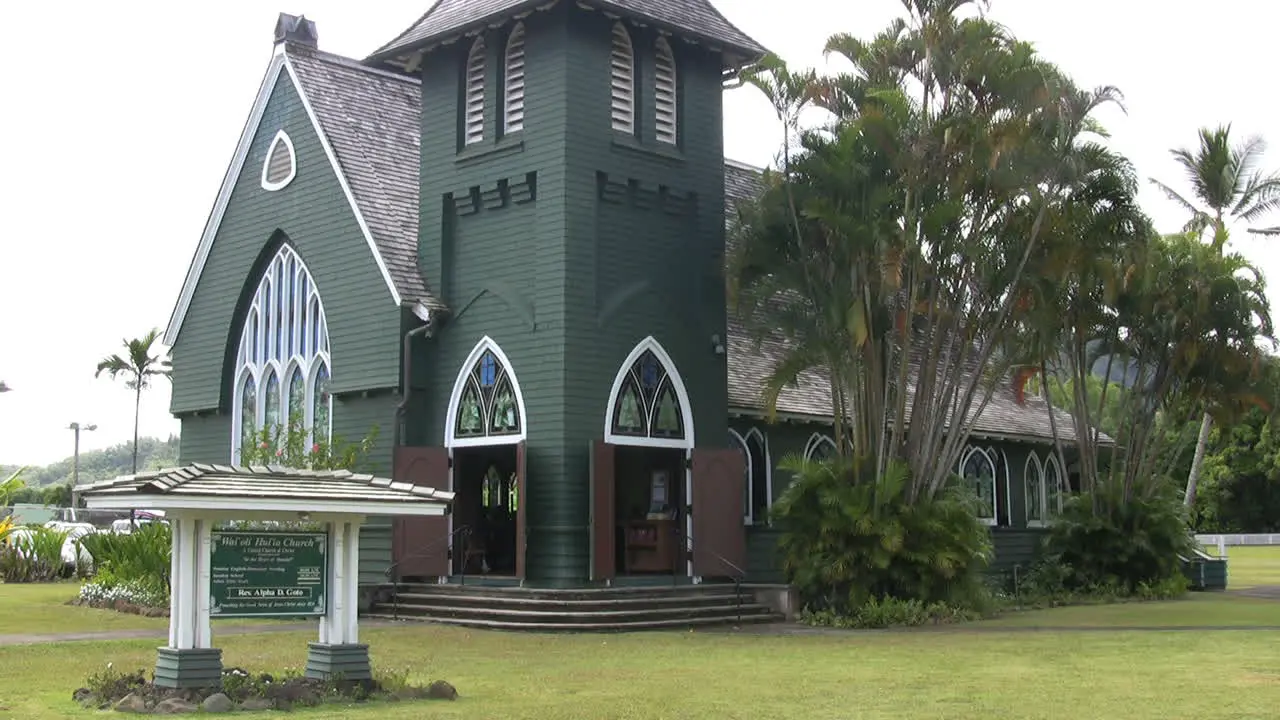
(500, 238)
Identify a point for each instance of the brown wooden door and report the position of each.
(420, 545)
(522, 502)
(602, 511)
(719, 539)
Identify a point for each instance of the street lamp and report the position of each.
(76, 427)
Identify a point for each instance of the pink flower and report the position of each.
(263, 446)
(315, 448)
(280, 452)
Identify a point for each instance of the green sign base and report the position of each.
(342, 662)
(195, 668)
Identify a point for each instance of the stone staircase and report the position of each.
(600, 610)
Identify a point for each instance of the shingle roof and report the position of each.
(449, 18)
(371, 118)
(201, 480)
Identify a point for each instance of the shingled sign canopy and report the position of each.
(196, 496)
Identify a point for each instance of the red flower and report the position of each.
(280, 452)
(315, 448)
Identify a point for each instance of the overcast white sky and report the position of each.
(122, 117)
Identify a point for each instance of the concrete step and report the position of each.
(478, 591)
(589, 617)
(517, 601)
(621, 626)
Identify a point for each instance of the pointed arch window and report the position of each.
(622, 80)
(648, 405)
(1033, 490)
(665, 104)
(513, 85)
(758, 489)
(489, 405)
(473, 103)
(819, 448)
(280, 165)
(1054, 487)
(978, 468)
(282, 365)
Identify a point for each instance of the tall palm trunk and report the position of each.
(1193, 478)
(137, 408)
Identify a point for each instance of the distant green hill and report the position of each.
(102, 464)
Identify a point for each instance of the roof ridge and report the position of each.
(349, 63)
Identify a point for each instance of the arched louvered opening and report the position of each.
(473, 122)
(513, 87)
(282, 367)
(665, 105)
(622, 78)
(280, 165)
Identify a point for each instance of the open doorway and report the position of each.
(649, 511)
(486, 500)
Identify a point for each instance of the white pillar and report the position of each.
(352, 582)
(175, 580)
(185, 583)
(1222, 546)
(332, 624)
(203, 583)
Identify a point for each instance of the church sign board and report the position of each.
(260, 574)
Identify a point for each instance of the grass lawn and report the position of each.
(38, 609)
(993, 669)
(1251, 566)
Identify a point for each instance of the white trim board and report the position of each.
(310, 506)
(279, 62)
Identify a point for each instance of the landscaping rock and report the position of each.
(255, 704)
(175, 706)
(441, 690)
(217, 703)
(83, 696)
(133, 703)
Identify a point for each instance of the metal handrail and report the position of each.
(738, 576)
(393, 570)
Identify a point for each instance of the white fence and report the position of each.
(1222, 542)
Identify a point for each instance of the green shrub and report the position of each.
(139, 560)
(1106, 543)
(33, 554)
(849, 538)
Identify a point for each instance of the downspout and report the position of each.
(406, 387)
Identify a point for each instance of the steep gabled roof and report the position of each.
(371, 118)
(377, 171)
(446, 20)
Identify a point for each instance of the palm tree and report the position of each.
(138, 366)
(1227, 185)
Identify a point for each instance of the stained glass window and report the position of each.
(284, 354)
(979, 471)
(1054, 488)
(271, 397)
(322, 404)
(1033, 481)
(297, 396)
(248, 408)
(647, 404)
(489, 404)
(819, 448)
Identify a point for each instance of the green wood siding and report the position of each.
(315, 216)
(568, 283)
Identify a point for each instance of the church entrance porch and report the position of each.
(486, 479)
(649, 511)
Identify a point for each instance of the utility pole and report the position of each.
(76, 427)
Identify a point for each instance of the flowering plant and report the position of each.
(293, 445)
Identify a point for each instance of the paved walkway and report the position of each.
(162, 633)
